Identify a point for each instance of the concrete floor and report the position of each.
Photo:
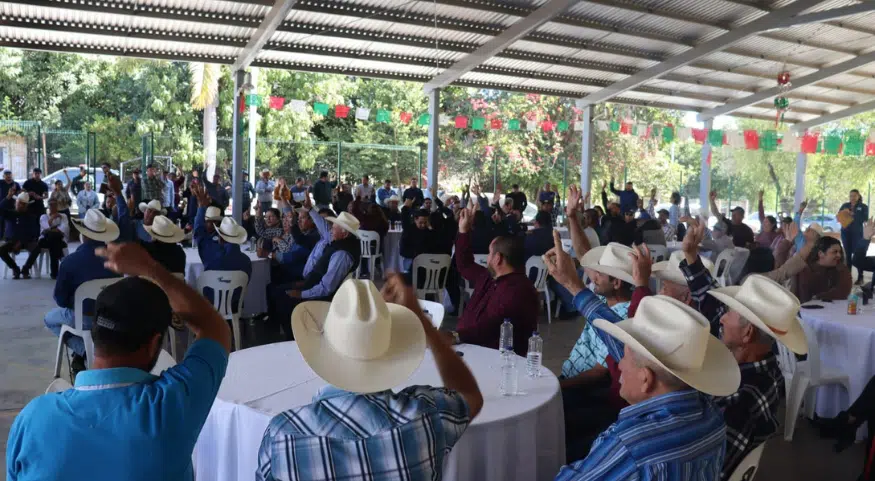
(27, 360)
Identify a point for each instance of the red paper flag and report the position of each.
(870, 148)
(461, 122)
(406, 117)
(546, 126)
(495, 124)
(809, 143)
(277, 102)
(341, 111)
(699, 135)
(625, 128)
(242, 104)
(751, 140)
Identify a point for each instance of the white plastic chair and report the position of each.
(371, 251)
(436, 270)
(658, 253)
(434, 310)
(223, 284)
(480, 259)
(747, 469)
(806, 377)
(88, 290)
(43, 260)
(722, 265)
(165, 361)
(536, 270)
(58, 384)
(566, 245)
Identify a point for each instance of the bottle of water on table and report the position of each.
(509, 382)
(533, 357)
(505, 338)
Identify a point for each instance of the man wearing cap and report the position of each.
(218, 239)
(134, 188)
(384, 193)
(264, 190)
(37, 189)
(140, 426)
(742, 234)
(22, 231)
(79, 267)
(365, 347)
(6, 185)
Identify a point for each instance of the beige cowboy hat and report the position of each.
(670, 270)
(347, 221)
(230, 231)
(97, 227)
(164, 230)
(394, 198)
(153, 204)
(678, 338)
(612, 259)
(769, 306)
(357, 342)
(816, 228)
(213, 213)
(24, 198)
(265, 171)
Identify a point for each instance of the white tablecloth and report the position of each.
(392, 251)
(513, 438)
(255, 302)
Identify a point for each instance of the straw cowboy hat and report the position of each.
(612, 259)
(230, 231)
(394, 198)
(97, 227)
(678, 338)
(153, 204)
(24, 198)
(816, 228)
(358, 342)
(769, 306)
(347, 221)
(213, 213)
(670, 270)
(164, 230)
(265, 171)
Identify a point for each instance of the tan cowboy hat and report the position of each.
(213, 213)
(164, 230)
(816, 228)
(97, 227)
(394, 198)
(231, 232)
(670, 270)
(265, 171)
(153, 204)
(769, 306)
(347, 221)
(357, 342)
(678, 338)
(612, 259)
(24, 198)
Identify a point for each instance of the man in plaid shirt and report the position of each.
(153, 185)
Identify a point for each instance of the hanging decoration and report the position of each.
(320, 108)
(341, 111)
(479, 123)
(277, 103)
(405, 117)
(495, 124)
(562, 126)
(513, 124)
(424, 119)
(782, 104)
(384, 116)
(461, 122)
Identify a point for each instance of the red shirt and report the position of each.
(512, 296)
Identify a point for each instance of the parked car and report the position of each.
(827, 221)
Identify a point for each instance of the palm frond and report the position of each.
(204, 84)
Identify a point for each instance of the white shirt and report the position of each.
(593, 237)
(87, 199)
(365, 192)
(61, 222)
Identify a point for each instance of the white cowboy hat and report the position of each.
(678, 338)
(153, 204)
(231, 231)
(769, 306)
(24, 198)
(394, 198)
(612, 259)
(670, 270)
(213, 213)
(347, 221)
(816, 228)
(358, 342)
(97, 227)
(164, 230)
(265, 171)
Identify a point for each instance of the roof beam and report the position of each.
(764, 6)
(499, 43)
(826, 15)
(717, 44)
(272, 20)
(815, 77)
(841, 114)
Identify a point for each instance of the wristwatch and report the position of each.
(456, 338)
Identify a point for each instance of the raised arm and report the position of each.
(613, 189)
(469, 269)
(760, 210)
(714, 210)
(604, 197)
(579, 241)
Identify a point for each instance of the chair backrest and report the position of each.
(480, 259)
(813, 359)
(786, 360)
(721, 266)
(653, 237)
(370, 243)
(223, 285)
(746, 470)
(58, 385)
(88, 291)
(566, 245)
(165, 361)
(434, 310)
(536, 271)
(658, 252)
(430, 272)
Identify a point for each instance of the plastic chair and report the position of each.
(747, 469)
(658, 252)
(536, 270)
(722, 265)
(434, 310)
(223, 284)
(87, 291)
(433, 280)
(806, 377)
(480, 259)
(42, 260)
(165, 361)
(58, 384)
(371, 251)
(566, 245)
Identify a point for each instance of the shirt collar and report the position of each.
(95, 379)
(330, 392)
(659, 402)
(768, 363)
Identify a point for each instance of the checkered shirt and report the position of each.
(590, 350)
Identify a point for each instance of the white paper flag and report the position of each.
(298, 105)
(362, 113)
(531, 125)
(445, 120)
(578, 125)
(601, 125)
(872, 135)
(791, 143)
(684, 134)
(642, 129)
(735, 139)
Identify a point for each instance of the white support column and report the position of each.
(801, 164)
(586, 151)
(434, 104)
(237, 151)
(253, 125)
(705, 177)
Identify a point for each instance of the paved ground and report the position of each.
(27, 360)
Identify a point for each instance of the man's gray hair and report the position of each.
(762, 337)
(662, 375)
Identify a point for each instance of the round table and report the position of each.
(513, 438)
(255, 301)
(392, 252)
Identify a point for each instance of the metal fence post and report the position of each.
(419, 172)
(39, 145)
(339, 161)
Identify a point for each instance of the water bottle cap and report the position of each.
(535, 333)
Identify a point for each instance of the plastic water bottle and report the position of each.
(505, 339)
(854, 301)
(509, 382)
(533, 357)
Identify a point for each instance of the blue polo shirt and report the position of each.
(119, 423)
(78, 268)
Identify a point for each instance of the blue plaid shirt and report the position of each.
(375, 437)
(589, 350)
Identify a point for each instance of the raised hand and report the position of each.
(561, 266)
(586, 199)
(713, 195)
(496, 197)
(642, 265)
(760, 195)
(803, 205)
(695, 234)
(203, 198)
(115, 184)
(573, 200)
(791, 230)
(869, 229)
(128, 259)
(396, 291)
(408, 202)
(466, 221)
(653, 193)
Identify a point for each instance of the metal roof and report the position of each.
(591, 45)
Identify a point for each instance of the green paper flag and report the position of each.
(320, 108)
(253, 100)
(854, 146)
(769, 141)
(563, 126)
(715, 137)
(513, 124)
(668, 134)
(832, 144)
(479, 123)
(615, 126)
(424, 119)
(384, 116)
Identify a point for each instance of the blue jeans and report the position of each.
(61, 316)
